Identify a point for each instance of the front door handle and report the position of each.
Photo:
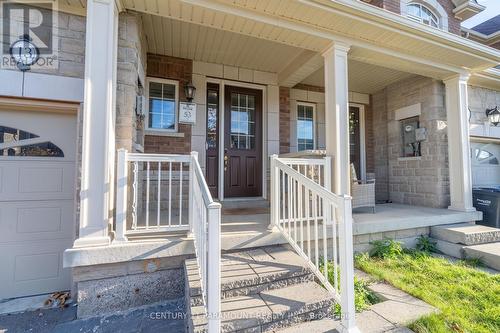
(226, 161)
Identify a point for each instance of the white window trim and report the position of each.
(433, 5)
(158, 131)
(314, 122)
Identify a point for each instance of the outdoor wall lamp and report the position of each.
(493, 115)
(190, 91)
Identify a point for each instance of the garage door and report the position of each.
(37, 187)
(485, 163)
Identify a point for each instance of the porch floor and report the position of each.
(241, 228)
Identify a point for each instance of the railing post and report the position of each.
(327, 176)
(348, 319)
(275, 194)
(328, 172)
(194, 159)
(214, 264)
(121, 196)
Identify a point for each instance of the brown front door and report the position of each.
(242, 142)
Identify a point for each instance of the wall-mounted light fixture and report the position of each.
(493, 115)
(190, 91)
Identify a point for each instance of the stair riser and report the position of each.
(294, 320)
(312, 312)
(270, 285)
(468, 234)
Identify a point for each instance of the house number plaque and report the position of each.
(187, 113)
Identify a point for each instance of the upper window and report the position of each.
(162, 107)
(305, 126)
(422, 14)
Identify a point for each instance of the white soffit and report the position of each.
(363, 78)
(193, 41)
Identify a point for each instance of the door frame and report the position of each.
(222, 84)
(362, 138)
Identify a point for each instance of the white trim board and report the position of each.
(41, 86)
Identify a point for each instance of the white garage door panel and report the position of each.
(33, 269)
(36, 220)
(54, 127)
(35, 180)
(37, 201)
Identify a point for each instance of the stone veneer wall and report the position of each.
(70, 41)
(130, 62)
(421, 181)
(181, 70)
(380, 147)
(481, 99)
(363, 243)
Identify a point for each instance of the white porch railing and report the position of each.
(318, 169)
(169, 193)
(308, 215)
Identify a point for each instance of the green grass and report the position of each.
(363, 297)
(468, 299)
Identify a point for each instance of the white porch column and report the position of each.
(98, 147)
(458, 143)
(337, 115)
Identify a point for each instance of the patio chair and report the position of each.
(362, 191)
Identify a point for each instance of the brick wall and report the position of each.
(421, 181)
(175, 69)
(284, 120)
(453, 22)
(391, 5)
(448, 6)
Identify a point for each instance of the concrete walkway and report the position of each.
(164, 317)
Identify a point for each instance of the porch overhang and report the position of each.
(489, 78)
(380, 36)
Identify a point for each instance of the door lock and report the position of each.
(226, 161)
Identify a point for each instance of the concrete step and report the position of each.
(252, 271)
(245, 204)
(466, 233)
(263, 289)
(450, 249)
(271, 310)
(326, 325)
(489, 254)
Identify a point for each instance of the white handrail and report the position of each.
(205, 217)
(308, 215)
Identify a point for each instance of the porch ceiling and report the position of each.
(376, 34)
(363, 77)
(193, 41)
